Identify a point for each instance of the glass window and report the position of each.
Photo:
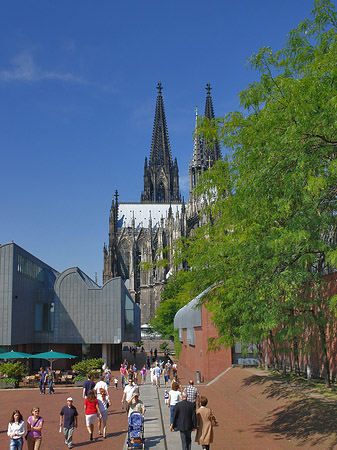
(129, 315)
(44, 317)
(30, 269)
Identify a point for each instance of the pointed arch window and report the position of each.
(161, 192)
(124, 259)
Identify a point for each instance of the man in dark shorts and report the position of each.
(68, 416)
(88, 385)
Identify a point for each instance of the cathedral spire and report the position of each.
(211, 149)
(198, 155)
(209, 111)
(161, 177)
(160, 148)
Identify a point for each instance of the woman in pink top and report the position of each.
(34, 426)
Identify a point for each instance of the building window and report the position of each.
(129, 316)
(44, 317)
(30, 269)
(190, 336)
(124, 259)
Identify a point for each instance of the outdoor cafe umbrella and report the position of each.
(15, 355)
(52, 356)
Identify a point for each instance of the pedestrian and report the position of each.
(116, 382)
(34, 428)
(148, 362)
(42, 382)
(88, 385)
(136, 405)
(91, 409)
(192, 394)
(174, 398)
(128, 392)
(68, 418)
(184, 420)
(152, 375)
(130, 373)
(157, 374)
(16, 430)
(144, 371)
(51, 380)
(155, 353)
(107, 373)
(166, 397)
(175, 370)
(135, 372)
(166, 375)
(123, 371)
(204, 435)
(102, 395)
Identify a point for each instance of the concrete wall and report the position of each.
(87, 313)
(18, 295)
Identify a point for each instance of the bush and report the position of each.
(16, 370)
(87, 366)
(177, 343)
(9, 380)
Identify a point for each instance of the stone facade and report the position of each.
(145, 232)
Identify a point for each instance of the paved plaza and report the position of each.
(253, 411)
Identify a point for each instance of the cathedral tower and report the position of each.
(205, 154)
(161, 178)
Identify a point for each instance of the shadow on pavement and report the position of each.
(152, 441)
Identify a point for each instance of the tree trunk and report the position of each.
(326, 363)
(274, 353)
(308, 361)
(296, 358)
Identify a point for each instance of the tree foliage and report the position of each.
(271, 236)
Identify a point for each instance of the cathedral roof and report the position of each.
(160, 147)
(143, 213)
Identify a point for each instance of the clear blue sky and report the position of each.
(78, 90)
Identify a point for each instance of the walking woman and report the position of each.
(16, 430)
(174, 398)
(204, 435)
(144, 374)
(34, 426)
(91, 410)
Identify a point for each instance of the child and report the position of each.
(116, 382)
(166, 397)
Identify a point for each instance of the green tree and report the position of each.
(271, 204)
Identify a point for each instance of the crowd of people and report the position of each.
(188, 410)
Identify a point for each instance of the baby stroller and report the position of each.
(135, 431)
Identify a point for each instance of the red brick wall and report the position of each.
(195, 357)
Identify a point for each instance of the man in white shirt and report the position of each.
(157, 374)
(129, 390)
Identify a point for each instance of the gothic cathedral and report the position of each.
(145, 232)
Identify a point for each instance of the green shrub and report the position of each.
(16, 370)
(9, 380)
(87, 366)
(177, 343)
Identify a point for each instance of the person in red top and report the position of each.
(91, 410)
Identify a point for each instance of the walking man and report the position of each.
(184, 420)
(192, 395)
(68, 417)
(88, 385)
(42, 382)
(157, 374)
